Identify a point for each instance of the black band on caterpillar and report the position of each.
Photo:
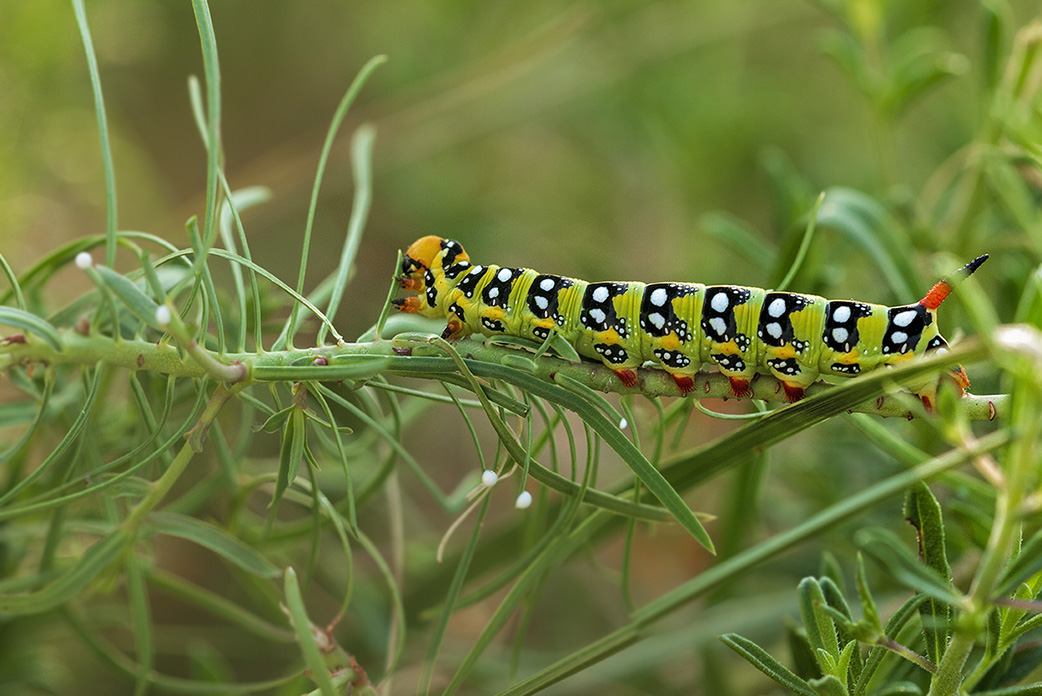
(678, 326)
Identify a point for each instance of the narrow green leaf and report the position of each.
(739, 236)
(763, 661)
(995, 19)
(821, 630)
(219, 606)
(894, 625)
(103, 133)
(302, 626)
(361, 169)
(12, 280)
(286, 338)
(275, 421)
(924, 513)
(214, 538)
(727, 570)
(687, 469)
(212, 139)
(587, 394)
(436, 636)
(1029, 690)
(95, 560)
(828, 686)
(141, 619)
(868, 605)
(888, 551)
(870, 226)
(141, 305)
(803, 661)
(291, 454)
(31, 323)
(1027, 563)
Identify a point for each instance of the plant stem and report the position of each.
(417, 359)
(1005, 529)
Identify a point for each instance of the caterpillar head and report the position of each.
(423, 271)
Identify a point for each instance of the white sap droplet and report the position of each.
(489, 478)
(84, 260)
(623, 423)
(523, 501)
(163, 315)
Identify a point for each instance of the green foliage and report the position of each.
(206, 488)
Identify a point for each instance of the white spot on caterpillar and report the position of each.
(541, 302)
(547, 284)
(899, 337)
(840, 335)
(718, 325)
(666, 356)
(841, 314)
(905, 318)
(776, 309)
(774, 329)
(493, 292)
(489, 478)
(600, 295)
(657, 319)
(658, 297)
(598, 315)
(504, 275)
(719, 303)
(523, 501)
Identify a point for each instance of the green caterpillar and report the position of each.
(678, 326)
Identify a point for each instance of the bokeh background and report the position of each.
(588, 138)
(672, 140)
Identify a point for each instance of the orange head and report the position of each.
(423, 268)
(420, 255)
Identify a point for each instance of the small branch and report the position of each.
(415, 358)
(231, 373)
(907, 653)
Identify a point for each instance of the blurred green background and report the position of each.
(627, 140)
(586, 138)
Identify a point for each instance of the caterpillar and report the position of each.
(679, 326)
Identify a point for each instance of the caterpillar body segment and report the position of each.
(678, 327)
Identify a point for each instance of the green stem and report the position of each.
(1004, 531)
(159, 489)
(413, 359)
